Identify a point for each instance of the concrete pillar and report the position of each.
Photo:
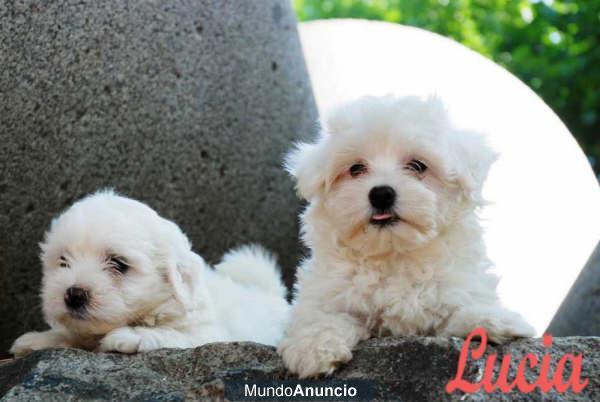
(186, 105)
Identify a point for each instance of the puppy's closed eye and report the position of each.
(118, 263)
(62, 262)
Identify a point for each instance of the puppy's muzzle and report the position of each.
(76, 298)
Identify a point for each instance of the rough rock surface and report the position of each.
(407, 369)
(186, 105)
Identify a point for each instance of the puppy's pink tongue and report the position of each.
(381, 217)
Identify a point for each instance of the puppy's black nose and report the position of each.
(382, 197)
(76, 298)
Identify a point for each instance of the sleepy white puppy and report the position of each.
(396, 245)
(118, 277)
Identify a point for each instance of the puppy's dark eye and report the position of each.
(119, 264)
(357, 169)
(416, 166)
(62, 262)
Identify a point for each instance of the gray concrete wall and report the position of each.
(579, 313)
(186, 105)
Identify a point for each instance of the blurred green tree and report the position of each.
(551, 45)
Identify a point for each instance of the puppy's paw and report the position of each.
(311, 357)
(508, 327)
(501, 325)
(123, 340)
(27, 343)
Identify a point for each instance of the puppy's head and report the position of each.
(109, 260)
(389, 174)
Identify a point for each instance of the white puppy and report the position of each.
(396, 246)
(118, 277)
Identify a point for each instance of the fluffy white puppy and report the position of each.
(118, 277)
(396, 245)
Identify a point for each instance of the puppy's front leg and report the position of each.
(318, 341)
(31, 341)
(501, 324)
(143, 339)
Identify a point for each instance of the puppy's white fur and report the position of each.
(168, 297)
(425, 274)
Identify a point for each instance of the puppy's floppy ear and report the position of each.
(182, 267)
(474, 160)
(184, 273)
(306, 164)
(311, 163)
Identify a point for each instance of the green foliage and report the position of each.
(552, 45)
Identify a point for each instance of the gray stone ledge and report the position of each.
(407, 369)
